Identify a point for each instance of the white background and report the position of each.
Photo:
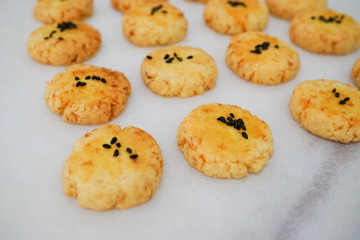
(310, 188)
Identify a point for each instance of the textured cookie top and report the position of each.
(288, 9)
(262, 59)
(86, 94)
(125, 5)
(325, 31)
(179, 71)
(328, 108)
(54, 11)
(231, 17)
(225, 141)
(355, 73)
(63, 43)
(113, 167)
(154, 25)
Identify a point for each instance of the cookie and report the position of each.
(325, 31)
(112, 167)
(179, 71)
(288, 9)
(327, 108)
(154, 25)
(232, 17)
(262, 59)
(55, 11)
(124, 5)
(356, 73)
(224, 141)
(86, 94)
(63, 43)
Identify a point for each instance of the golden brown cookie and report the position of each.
(262, 59)
(325, 31)
(356, 73)
(55, 11)
(224, 141)
(125, 5)
(232, 17)
(86, 94)
(154, 25)
(112, 167)
(63, 43)
(179, 71)
(328, 108)
(288, 9)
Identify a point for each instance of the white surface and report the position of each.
(309, 189)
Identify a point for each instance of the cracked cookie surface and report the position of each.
(86, 94)
(224, 141)
(327, 108)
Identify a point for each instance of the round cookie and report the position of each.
(356, 73)
(224, 141)
(124, 5)
(327, 108)
(232, 17)
(288, 9)
(262, 59)
(179, 71)
(63, 43)
(112, 167)
(86, 94)
(55, 11)
(325, 31)
(154, 25)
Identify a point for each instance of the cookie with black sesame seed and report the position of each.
(63, 43)
(355, 73)
(232, 17)
(125, 5)
(154, 25)
(327, 108)
(288, 9)
(86, 94)
(179, 71)
(224, 141)
(113, 167)
(262, 59)
(55, 11)
(326, 32)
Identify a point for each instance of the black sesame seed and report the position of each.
(155, 9)
(232, 115)
(134, 156)
(166, 56)
(313, 17)
(116, 153)
(170, 60)
(60, 38)
(190, 57)
(240, 121)
(164, 11)
(118, 144)
(243, 127)
(129, 150)
(257, 51)
(103, 80)
(87, 77)
(78, 84)
(238, 126)
(149, 57)
(334, 90)
(342, 102)
(82, 83)
(346, 99)
(106, 146)
(236, 3)
(337, 94)
(46, 38)
(276, 46)
(244, 134)
(221, 119)
(265, 45)
(77, 78)
(113, 140)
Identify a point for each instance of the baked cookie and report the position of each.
(124, 5)
(232, 17)
(86, 94)
(327, 108)
(224, 141)
(287, 9)
(154, 25)
(112, 167)
(55, 11)
(356, 73)
(325, 31)
(179, 71)
(63, 43)
(262, 59)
